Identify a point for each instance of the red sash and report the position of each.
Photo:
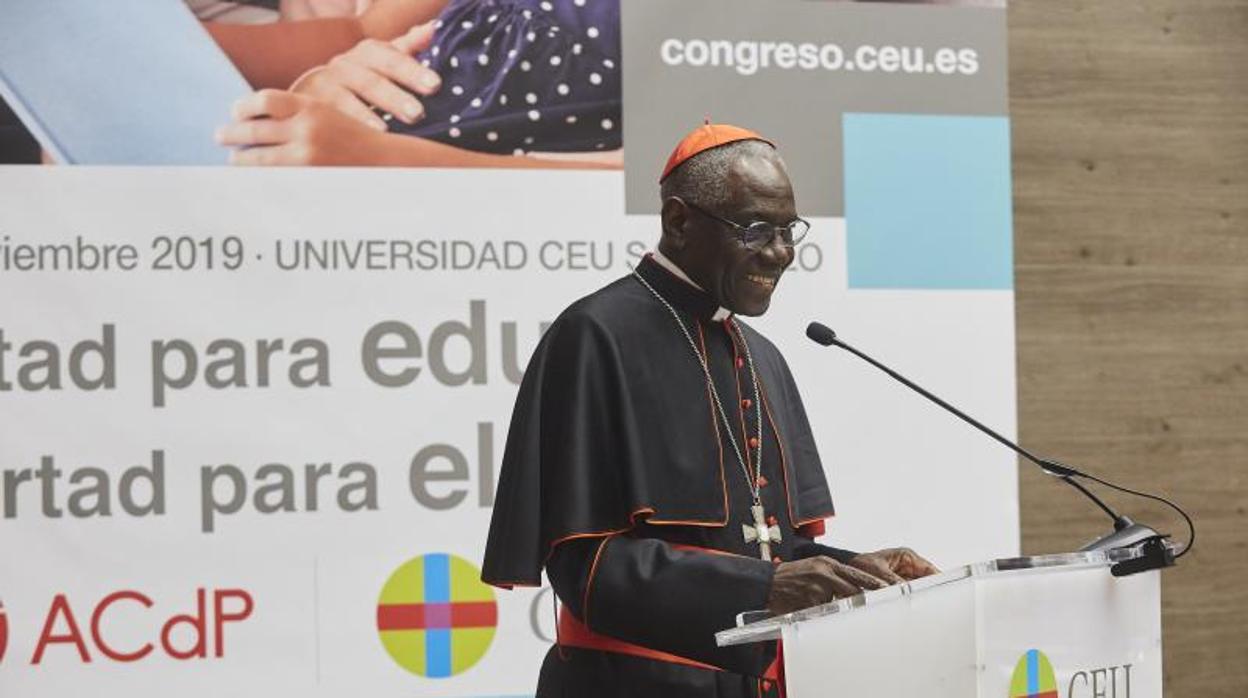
(571, 632)
(574, 633)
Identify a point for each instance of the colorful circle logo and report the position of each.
(1033, 677)
(435, 616)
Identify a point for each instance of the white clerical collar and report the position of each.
(721, 313)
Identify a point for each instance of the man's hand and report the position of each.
(274, 127)
(376, 73)
(815, 580)
(894, 565)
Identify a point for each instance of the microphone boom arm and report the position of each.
(1126, 532)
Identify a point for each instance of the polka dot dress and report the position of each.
(521, 75)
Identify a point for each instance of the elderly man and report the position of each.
(660, 464)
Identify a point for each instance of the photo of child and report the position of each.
(489, 83)
(419, 83)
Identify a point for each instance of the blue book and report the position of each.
(131, 82)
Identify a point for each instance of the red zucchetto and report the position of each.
(705, 137)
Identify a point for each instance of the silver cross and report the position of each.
(760, 532)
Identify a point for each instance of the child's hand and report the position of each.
(374, 73)
(274, 127)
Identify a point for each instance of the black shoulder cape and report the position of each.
(613, 425)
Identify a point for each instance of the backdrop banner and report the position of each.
(251, 419)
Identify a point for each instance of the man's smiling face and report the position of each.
(738, 278)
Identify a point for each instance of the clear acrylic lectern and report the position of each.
(1032, 627)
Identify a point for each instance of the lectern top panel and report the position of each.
(756, 626)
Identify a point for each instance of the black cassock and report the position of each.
(619, 478)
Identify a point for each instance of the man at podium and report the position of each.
(660, 464)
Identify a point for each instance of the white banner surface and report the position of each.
(234, 405)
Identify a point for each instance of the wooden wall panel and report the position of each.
(1130, 137)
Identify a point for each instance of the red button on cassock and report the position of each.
(753, 442)
(747, 404)
(740, 362)
(762, 481)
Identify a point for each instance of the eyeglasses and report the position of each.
(759, 234)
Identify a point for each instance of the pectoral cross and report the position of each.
(761, 533)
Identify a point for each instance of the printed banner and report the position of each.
(251, 418)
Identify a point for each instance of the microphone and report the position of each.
(1126, 532)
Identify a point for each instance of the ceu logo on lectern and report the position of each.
(435, 616)
(1033, 677)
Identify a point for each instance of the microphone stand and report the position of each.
(1155, 553)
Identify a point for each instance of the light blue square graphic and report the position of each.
(927, 201)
